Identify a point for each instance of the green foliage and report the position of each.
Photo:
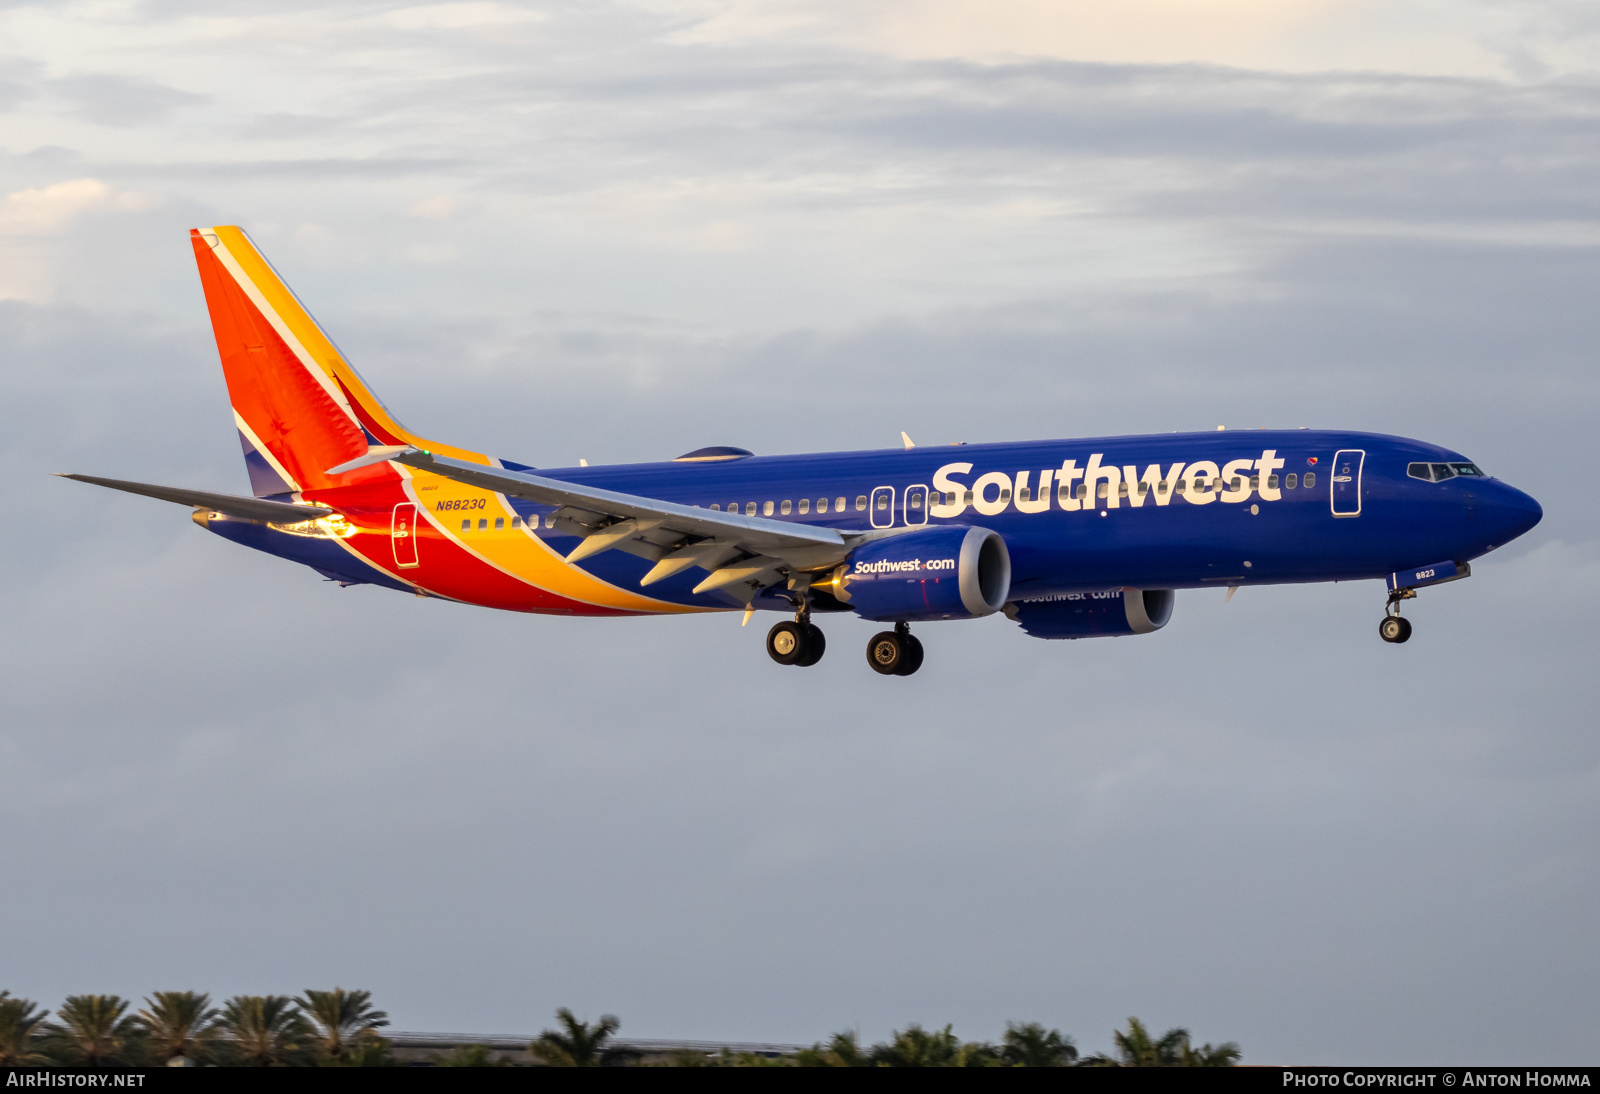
(21, 1031)
(179, 1023)
(470, 1056)
(364, 1050)
(1137, 1048)
(266, 1030)
(1029, 1044)
(94, 1030)
(341, 1017)
(579, 1044)
(917, 1047)
(843, 1050)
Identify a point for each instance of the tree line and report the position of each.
(340, 1028)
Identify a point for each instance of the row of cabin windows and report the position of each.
(839, 505)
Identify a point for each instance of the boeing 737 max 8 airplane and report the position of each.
(1070, 538)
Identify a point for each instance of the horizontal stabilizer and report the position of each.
(271, 512)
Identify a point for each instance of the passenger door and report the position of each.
(1346, 482)
(403, 535)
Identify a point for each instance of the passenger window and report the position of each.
(883, 501)
(838, 505)
(1122, 490)
(1255, 482)
(785, 507)
(1442, 471)
(466, 525)
(1290, 481)
(1161, 487)
(749, 508)
(715, 508)
(805, 506)
(822, 505)
(967, 497)
(550, 521)
(1311, 479)
(1235, 484)
(1144, 488)
(1005, 493)
(861, 503)
(950, 498)
(1083, 490)
(1181, 488)
(1272, 482)
(499, 524)
(916, 501)
(1025, 494)
(766, 510)
(1063, 493)
(1103, 489)
(483, 524)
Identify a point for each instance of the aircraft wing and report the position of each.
(743, 553)
(272, 512)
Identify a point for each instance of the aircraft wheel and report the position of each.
(786, 643)
(1394, 629)
(886, 653)
(913, 655)
(815, 645)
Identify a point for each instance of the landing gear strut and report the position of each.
(796, 642)
(896, 652)
(1394, 628)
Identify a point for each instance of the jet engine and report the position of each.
(937, 573)
(1094, 615)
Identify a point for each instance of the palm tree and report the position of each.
(580, 1044)
(179, 1024)
(20, 1027)
(470, 1056)
(265, 1029)
(842, 1050)
(341, 1017)
(94, 1030)
(917, 1047)
(1029, 1044)
(1136, 1048)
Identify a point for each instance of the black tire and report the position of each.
(913, 655)
(816, 644)
(786, 643)
(1394, 629)
(1405, 631)
(886, 653)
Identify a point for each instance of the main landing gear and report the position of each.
(896, 652)
(1394, 628)
(796, 642)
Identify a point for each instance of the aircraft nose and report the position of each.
(1513, 513)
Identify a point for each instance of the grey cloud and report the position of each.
(121, 101)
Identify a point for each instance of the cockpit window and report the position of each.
(1466, 469)
(1420, 471)
(1438, 472)
(1441, 471)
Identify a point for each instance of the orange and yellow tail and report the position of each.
(299, 406)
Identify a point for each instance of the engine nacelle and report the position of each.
(1094, 615)
(938, 573)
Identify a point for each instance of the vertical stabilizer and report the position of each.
(299, 406)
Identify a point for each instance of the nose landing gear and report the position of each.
(1394, 628)
(896, 652)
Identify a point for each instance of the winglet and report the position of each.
(907, 438)
(378, 453)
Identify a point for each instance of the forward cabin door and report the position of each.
(1346, 482)
(403, 535)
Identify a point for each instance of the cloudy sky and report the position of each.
(620, 231)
